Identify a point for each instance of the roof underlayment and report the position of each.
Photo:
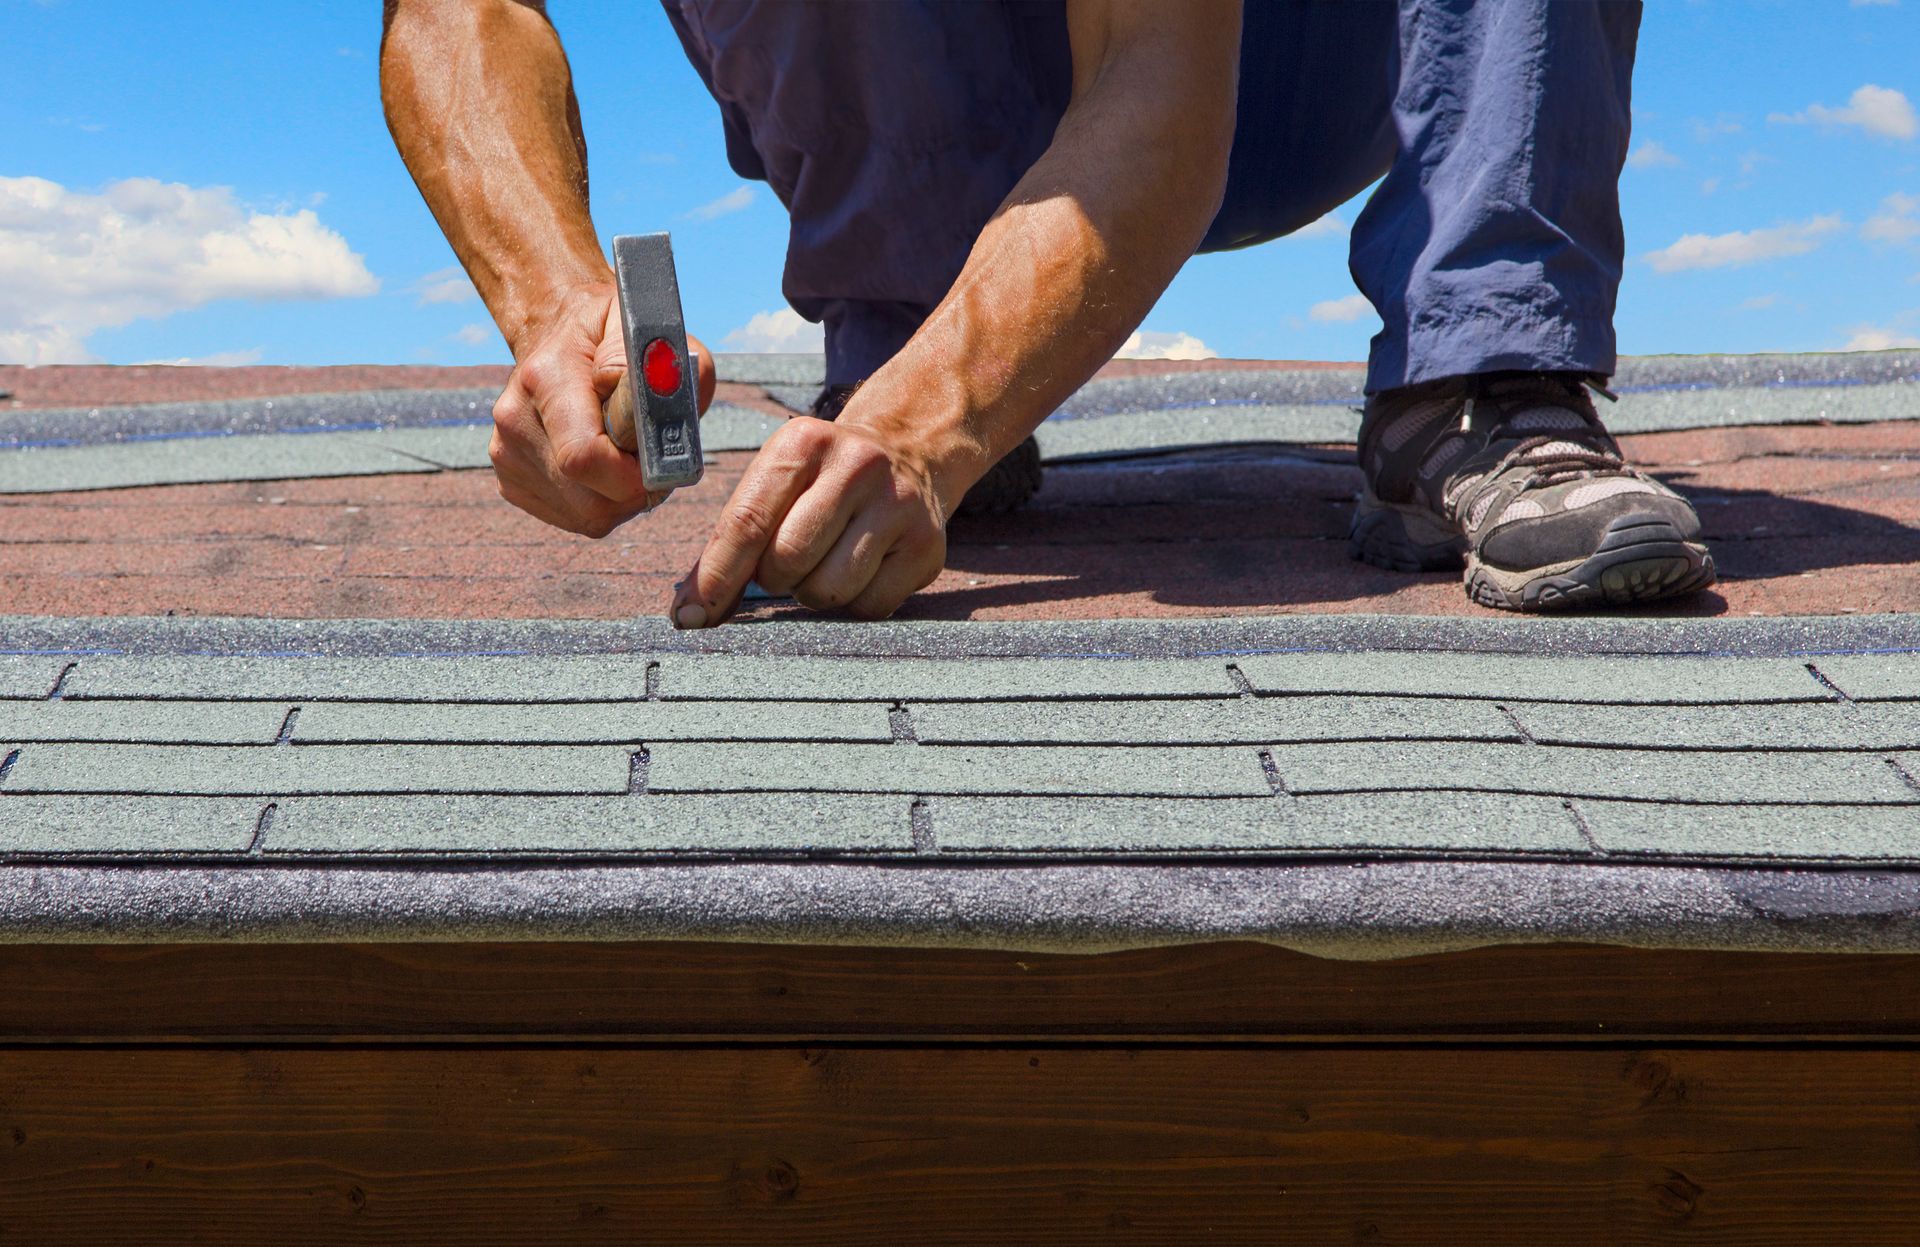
(1349, 784)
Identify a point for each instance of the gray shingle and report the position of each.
(1528, 677)
(1819, 832)
(1874, 677)
(1370, 823)
(589, 722)
(1170, 772)
(28, 675)
(1234, 720)
(90, 824)
(1887, 724)
(781, 367)
(1828, 725)
(938, 679)
(655, 823)
(1569, 771)
(262, 457)
(608, 677)
(1174, 428)
(294, 770)
(727, 427)
(209, 723)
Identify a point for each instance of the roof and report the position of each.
(1158, 706)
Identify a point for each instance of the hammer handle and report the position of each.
(617, 414)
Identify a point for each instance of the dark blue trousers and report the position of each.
(892, 132)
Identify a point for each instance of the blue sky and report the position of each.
(1772, 203)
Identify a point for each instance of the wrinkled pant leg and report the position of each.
(1313, 120)
(1495, 241)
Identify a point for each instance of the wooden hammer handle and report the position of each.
(617, 414)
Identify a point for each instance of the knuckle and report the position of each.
(808, 432)
(536, 371)
(750, 521)
(576, 459)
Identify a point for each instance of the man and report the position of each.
(988, 197)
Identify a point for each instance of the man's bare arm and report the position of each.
(1085, 243)
(480, 101)
(853, 514)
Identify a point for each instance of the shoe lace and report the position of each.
(1557, 455)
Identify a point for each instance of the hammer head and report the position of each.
(655, 413)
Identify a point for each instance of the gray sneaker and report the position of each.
(1514, 473)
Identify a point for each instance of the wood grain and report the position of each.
(666, 992)
(936, 1145)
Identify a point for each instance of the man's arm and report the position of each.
(480, 101)
(853, 514)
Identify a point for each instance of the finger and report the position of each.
(705, 378)
(778, 475)
(902, 573)
(848, 568)
(811, 528)
(527, 485)
(582, 452)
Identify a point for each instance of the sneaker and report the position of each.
(1006, 486)
(1513, 473)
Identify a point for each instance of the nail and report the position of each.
(692, 615)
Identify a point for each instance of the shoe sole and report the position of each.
(1643, 558)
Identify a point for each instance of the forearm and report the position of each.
(1071, 263)
(480, 102)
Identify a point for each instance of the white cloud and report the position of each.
(1652, 155)
(1871, 4)
(72, 262)
(474, 335)
(733, 201)
(784, 330)
(1759, 302)
(1897, 221)
(1708, 131)
(219, 359)
(1742, 246)
(1146, 344)
(1874, 338)
(1877, 110)
(1328, 226)
(444, 285)
(1337, 311)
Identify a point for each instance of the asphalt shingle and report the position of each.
(97, 824)
(28, 675)
(1159, 772)
(1799, 832)
(193, 770)
(195, 723)
(588, 722)
(1473, 822)
(1611, 680)
(922, 679)
(1816, 725)
(1234, 720)
(654, 823)
(1874, 677)
(1647, 775)
(612, 677)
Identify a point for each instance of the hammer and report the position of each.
(654, 413)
